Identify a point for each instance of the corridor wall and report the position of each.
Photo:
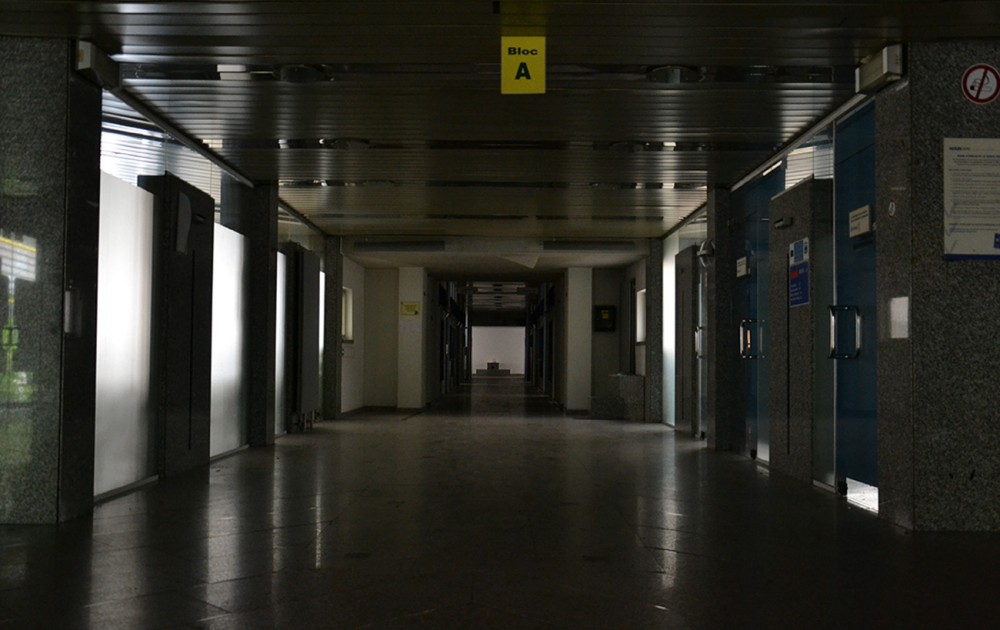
(577, 343)
(503, 344)
(411, 384)
(381, 313)
(606, 346)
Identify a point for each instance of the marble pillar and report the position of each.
(939, 438)
(654, 332)
(723, 422)
(50, 135)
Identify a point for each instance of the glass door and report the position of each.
(752, 204)
(852, 316)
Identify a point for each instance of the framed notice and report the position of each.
(971, 198)
(605, 317)
(409, 309)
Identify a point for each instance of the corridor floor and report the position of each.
(492, 510)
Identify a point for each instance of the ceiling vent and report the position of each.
(879, 70)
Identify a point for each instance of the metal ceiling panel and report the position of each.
(402, 129)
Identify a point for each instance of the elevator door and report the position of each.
(753, 206)
(854, 311)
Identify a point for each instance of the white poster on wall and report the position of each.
(971, 198)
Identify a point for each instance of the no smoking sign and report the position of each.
(981, 84)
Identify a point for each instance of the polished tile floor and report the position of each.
(491, 510)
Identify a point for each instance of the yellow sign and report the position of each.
(409, 309)
(522, 65)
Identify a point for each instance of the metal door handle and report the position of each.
(747, 349)
(699, 353)
(834, 311)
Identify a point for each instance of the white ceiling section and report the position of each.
(386, 118)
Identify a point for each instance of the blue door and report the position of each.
(853, 315)
(751, 204)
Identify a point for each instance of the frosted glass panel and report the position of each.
(229, 426)
(671, 246)
(123, 451)
(279, 349)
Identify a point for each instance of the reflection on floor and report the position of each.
(862, 495)
(492, 510)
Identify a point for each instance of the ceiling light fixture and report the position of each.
(771, 168)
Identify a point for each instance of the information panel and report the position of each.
(971, 198)
(798, 273)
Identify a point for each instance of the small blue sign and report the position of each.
(798, 284)
(996, 241)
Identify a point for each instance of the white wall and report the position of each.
(123, 452)
(352, 376)
(229, 429)
(498, 343)
(579, 304)
(381, 314)
(411, 373)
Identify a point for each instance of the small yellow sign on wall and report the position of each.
(522, 65)
(409, 309)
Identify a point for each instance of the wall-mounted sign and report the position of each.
(860, 221)
(798, 273)
(605, 318)
(971, 198)
(409, 309)
(742, 267)
(980, 83)
(522, 65)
